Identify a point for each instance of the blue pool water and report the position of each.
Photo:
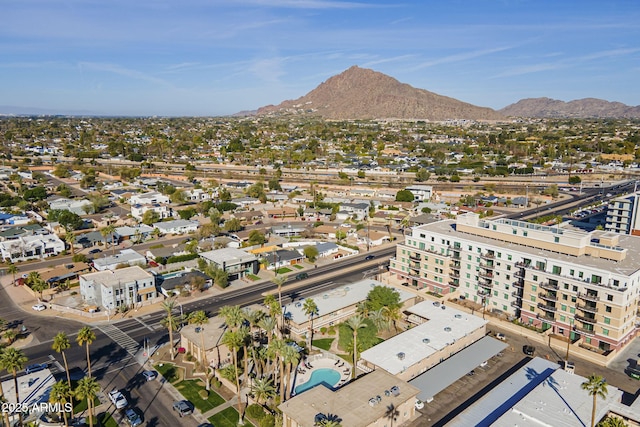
(328, 377)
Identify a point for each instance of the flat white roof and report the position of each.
(338, 298)
(32, 388)
(121, 275)
(538, 394)
(443, 327)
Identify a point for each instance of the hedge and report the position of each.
(181, 258)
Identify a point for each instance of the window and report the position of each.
(525, 234)
(564, 297)
(607, 320)
(609, 297)
(534, 288)
(563, 318)
(572, 310)
(566, 286)
(556, 239)
(533, 298)
(605, 332)
(535, 278)
(575, 288)
(564, 307)
(607, 308)
(506, 296)
(499, 254)
(587, 340)
(515, 231)
(509, 257)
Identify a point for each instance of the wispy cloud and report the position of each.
(310, 4)
(458, 57)
(608, 54)
(387, 60)
(121, 71)
(529, 69)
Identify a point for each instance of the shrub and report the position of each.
(332, 330)
(181, 258)
(216, 383)
(323, 330)
(79, 258)
(268, 421)
(204, 394)
(256, 412)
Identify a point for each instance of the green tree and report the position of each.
(310, 309)
(13, 360)
(60, 393)
(340, 235)
(12, 269)
(110, 231)
(596, 387)
(60, 344)
(67, 219)
(86, 337)
(37, 283)
(404, 196)
(150, 217)
(422, 175)
(232, 224)
(355, 323)
(575, 179)
(256, 237)
(279, 281)
(382, 296)
(88, 389)
(233, 341)
(311, 252)
(611, 421)
(263, 389)
(290, 357)
(170, 322)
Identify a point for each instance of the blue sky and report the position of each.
(218, 57)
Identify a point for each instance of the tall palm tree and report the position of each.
(61, 394)
(85, 337)
(60, 344)
(268, 325)
(36, 282)
(170, 323)
(233, 316)
(88, 388)
(290, 357)
(110, 231)
(279, 281)
(12, 269)
(392, 315)
(5, 414)
(310, 308)
(253, 317)
(200, 318)
(70, 238)
(233, 341)
(263, 389)
(275, 355)
(245, 336)
(356, 322)
(596, 386)
(13, 360)
(379, 319)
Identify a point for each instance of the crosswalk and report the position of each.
(124, 340)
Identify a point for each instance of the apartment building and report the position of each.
(622, 215)
(131, 286)
(579, 284)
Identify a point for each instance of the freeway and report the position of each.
(117, 354)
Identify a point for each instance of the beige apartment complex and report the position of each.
(581, 284)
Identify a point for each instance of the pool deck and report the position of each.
(303, 373)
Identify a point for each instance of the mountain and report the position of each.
(360, 93)
(580, 108)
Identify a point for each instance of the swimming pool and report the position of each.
(327, 376)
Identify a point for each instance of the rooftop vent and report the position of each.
(443, 307)
(400, 356)
(447, 329)
(458, 316)
(395, 390)
(426, 340)
(387, 393)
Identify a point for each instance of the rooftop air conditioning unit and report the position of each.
(400, 356)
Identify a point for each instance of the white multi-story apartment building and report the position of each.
(112, 288)
(583, 285)
(27, 247)
(622, 214)
(151, 197)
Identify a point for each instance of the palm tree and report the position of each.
(10, 335)
(170, 323)
(596, 386)
(245, 336)
(12, 269)
(13, 360)
(275, 352)
(70, 238)
(253, 317)
(291, 357)
(392, 315)
(268, 325)
(279, 281)
(200, 318)
(109, 230)
(233, 316)
(4, 399)
(263, 389)
(379, 319)
(612, 422)
(60, 344)
(310, 308)
(356, 322)
(233, 341)
(88, 388)
(37, 283)
(329, 423)
(391, 413)
(85, 337)
(61, 393)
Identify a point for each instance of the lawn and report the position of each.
(106, 420)
(227, 418)
(190, 389)
(324, 343)
(169, 372)
(81, 405)
(283, 270)
(253, 277)
(298, 266)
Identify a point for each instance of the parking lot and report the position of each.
(468, 389)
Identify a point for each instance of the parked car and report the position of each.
(118, 399)
(183, 407)
(38, 307)
(369, 257)
(529, 350)
(150, 375)
(301, 276)
(95, 251)
(36, 367)
(133, 418)
(501, 336)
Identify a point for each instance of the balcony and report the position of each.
(415, 257)
(486, 266)
(486, 275)
(548, 286)
(488, 255)
(454, 274)
(454, 284)
(587, 308)
(548, 297)
(585, 319)
(516, 295)
(455, 257)
(522, 265)
(487, 285)
(548, 317)
(588, 297)
(585, 331)
(545, 307)
(518, 285)
(483, 293)
(455, 265)
(515, 304)
(519, 274)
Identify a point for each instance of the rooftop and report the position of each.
(228, 256)
(123, 275)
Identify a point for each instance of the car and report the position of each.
(118, 399)
(132, 417)
(68, 266)
(38, 307)
(95, 251)
(419, 404)
(36, 367)
(183, 407)
(369, 257)
(150, 375)
(471, 373)
(501, 336)
(301, 276)
(529, 350)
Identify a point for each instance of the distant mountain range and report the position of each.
(580, 108)
(360, 93)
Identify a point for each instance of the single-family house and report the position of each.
(151, 197)
(235, 262)
(110, 289)
(177, 226)
(125, 257)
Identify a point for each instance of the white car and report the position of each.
(501, 336)
(118, 399)
(419, 404)
(38, 307)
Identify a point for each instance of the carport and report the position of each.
(451, 370)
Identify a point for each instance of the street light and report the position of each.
(181, 314)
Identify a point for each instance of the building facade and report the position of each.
(111, 289)
(583, 285)
(622, 215)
